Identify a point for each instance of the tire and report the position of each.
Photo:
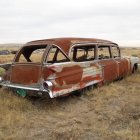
(135, 68)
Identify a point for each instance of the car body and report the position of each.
(59, 66)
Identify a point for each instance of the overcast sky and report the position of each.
(25, 20)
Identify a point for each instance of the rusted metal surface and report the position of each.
(109, 69)
(25, 74)
(69, 77)
(66, 43)
(66, 65)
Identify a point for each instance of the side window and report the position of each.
(115, 51)
(104, 52)
(56, 56)
(83, 53)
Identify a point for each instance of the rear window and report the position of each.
(32, 54)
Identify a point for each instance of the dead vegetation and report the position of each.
(111, 112)
(128, 51)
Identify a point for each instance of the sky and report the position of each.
(25, 20)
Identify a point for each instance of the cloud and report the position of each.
(27, 20)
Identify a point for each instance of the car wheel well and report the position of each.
(135, 67)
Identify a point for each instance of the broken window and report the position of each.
(31, 54)
(104, 52)
(83, 53)
(115, 51)
(56, 56)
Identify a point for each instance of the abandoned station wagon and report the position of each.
(56, 67)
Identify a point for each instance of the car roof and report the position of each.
(66, 43)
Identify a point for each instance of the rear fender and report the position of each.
(6, 66)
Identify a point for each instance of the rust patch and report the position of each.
(64, 75)
(109, 69)
(25, 74)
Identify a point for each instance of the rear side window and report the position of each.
(83, 53)
(56, 56)
(104, 52)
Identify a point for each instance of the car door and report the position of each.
(124, 67)
(109, 66)
(84, 55)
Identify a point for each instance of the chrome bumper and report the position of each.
(38, 89)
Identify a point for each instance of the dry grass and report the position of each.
(6, 58)
(131, 51)
(111, 112)
(2, 71)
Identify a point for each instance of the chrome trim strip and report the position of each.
(22, 87)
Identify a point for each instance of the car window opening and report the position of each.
(31, 54)
(115, 51)
(83, 53)
(104, 52)
(56, 56)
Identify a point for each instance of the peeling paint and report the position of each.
(65, 75)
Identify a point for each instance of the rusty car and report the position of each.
(58, 66)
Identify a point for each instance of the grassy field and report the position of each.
(130, 51)
(111, 112)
